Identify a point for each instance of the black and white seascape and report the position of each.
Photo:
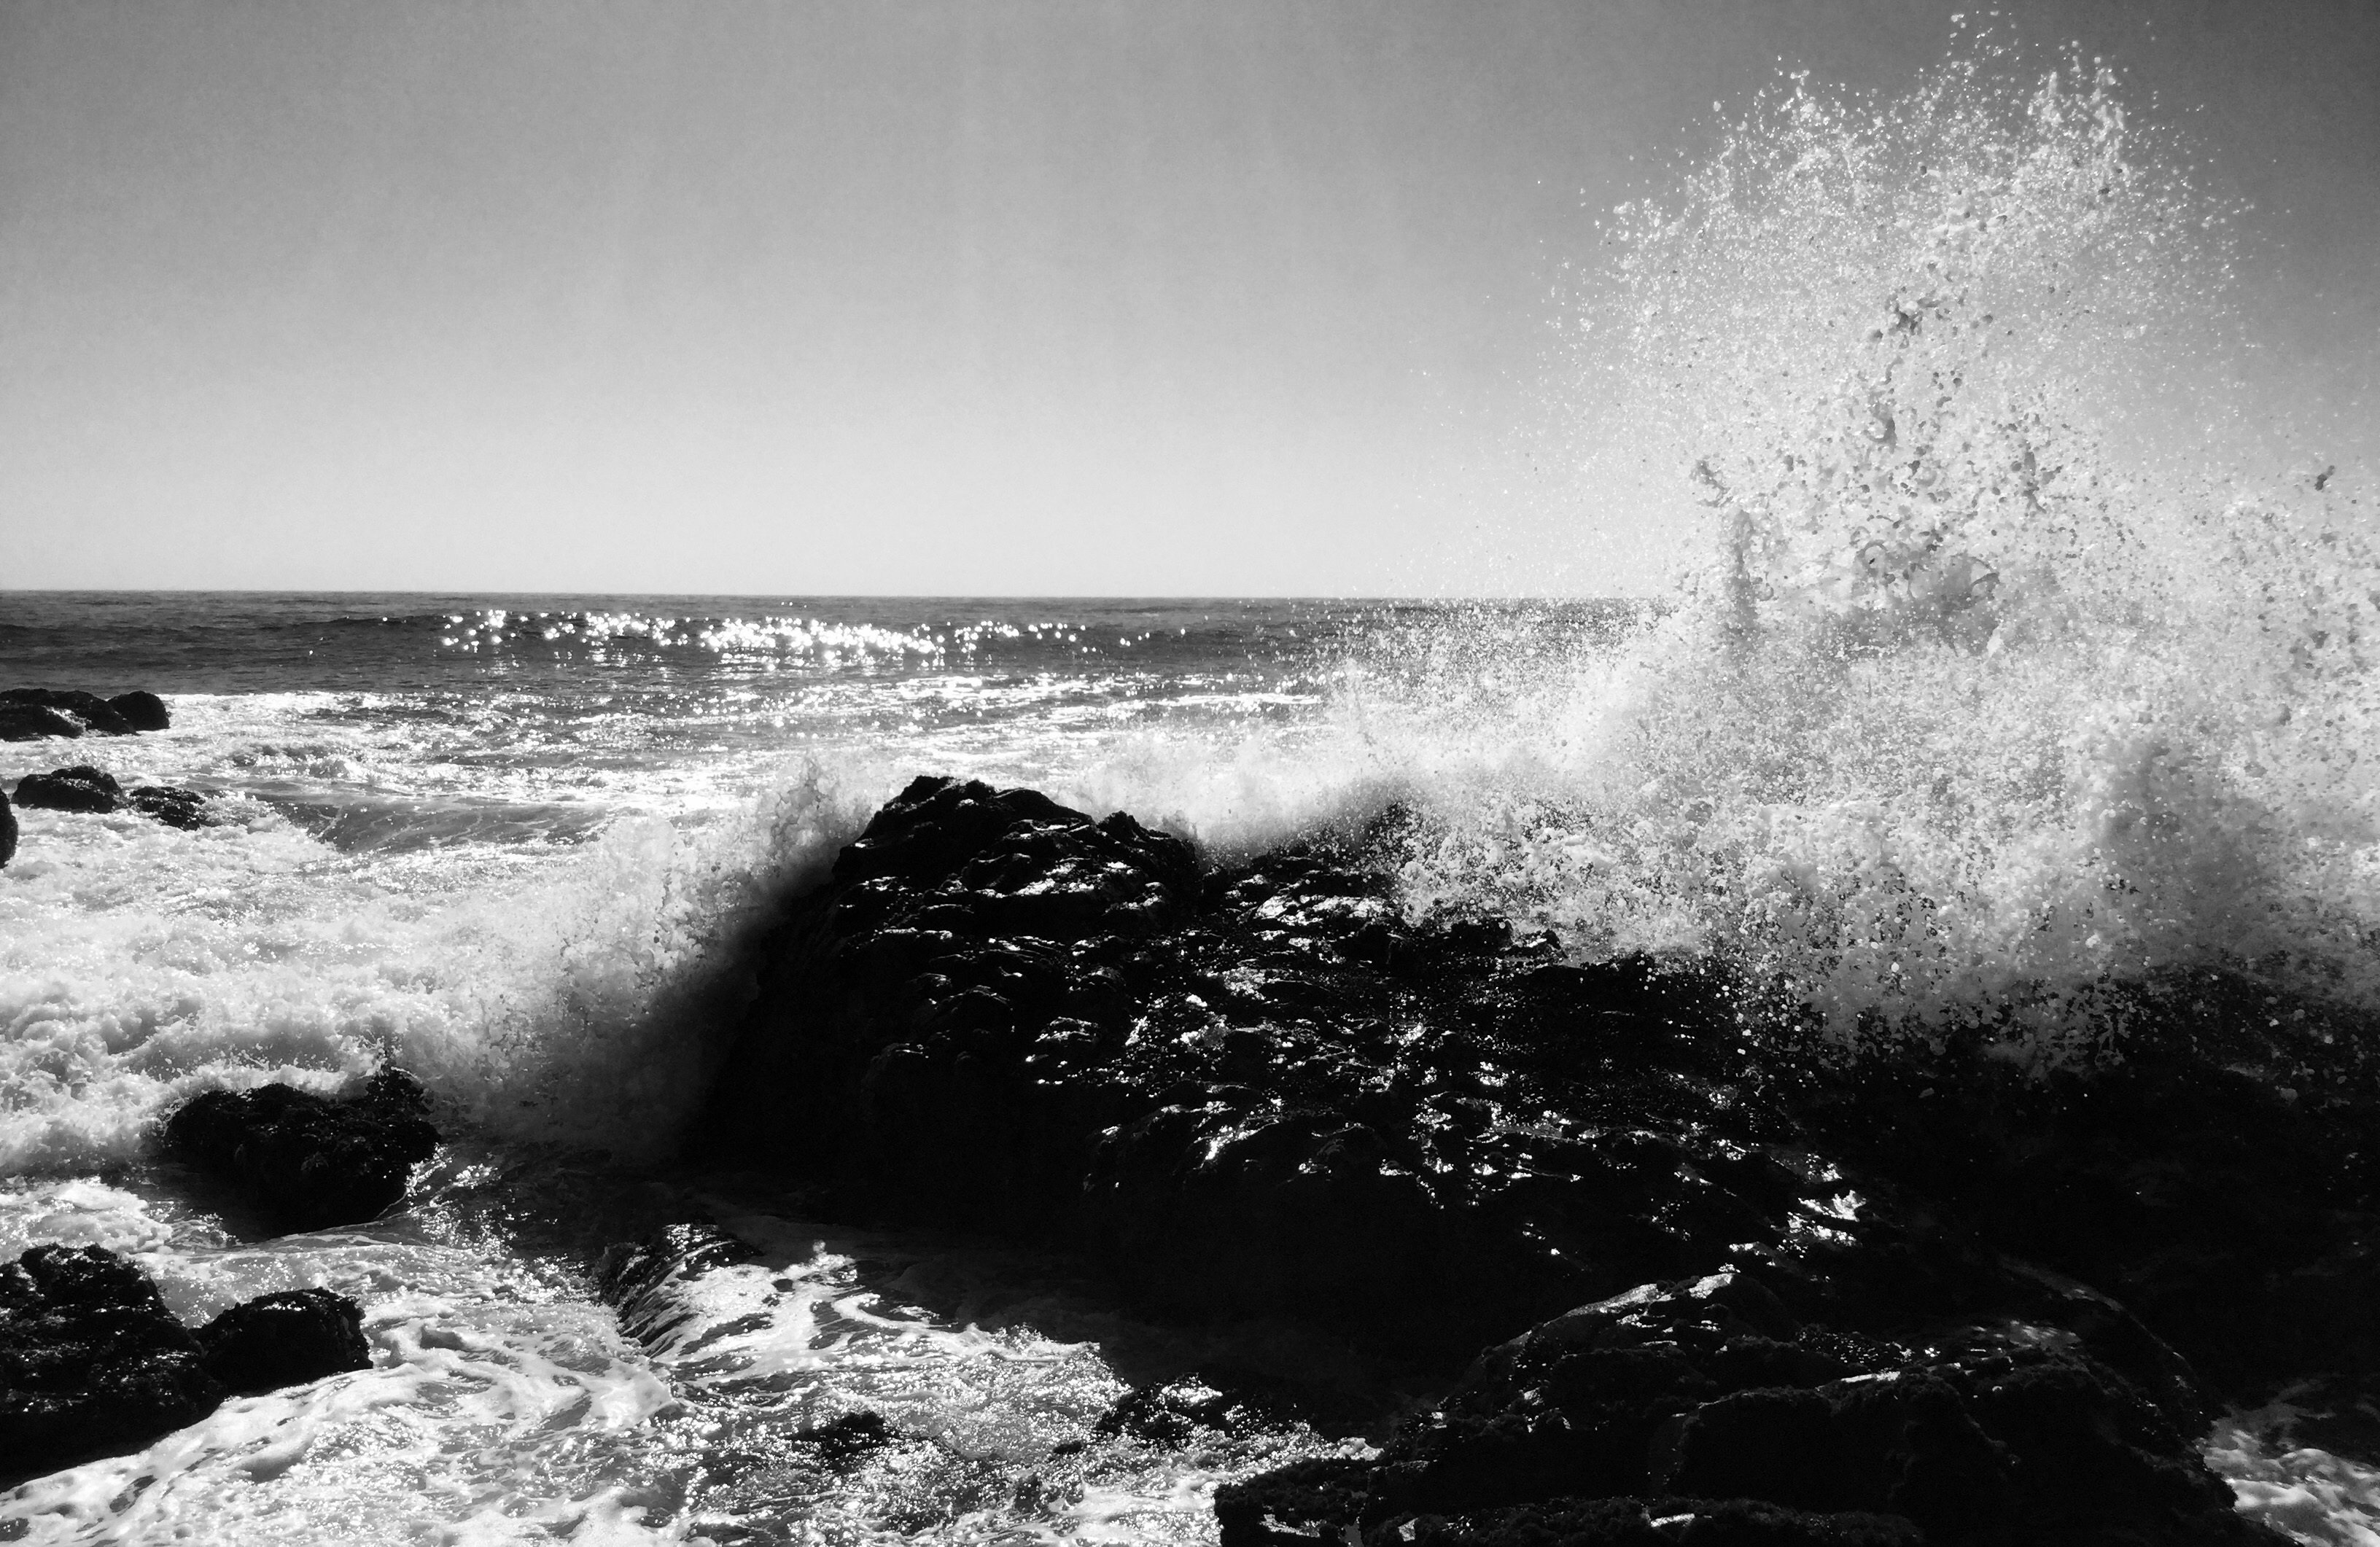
(1819, 986)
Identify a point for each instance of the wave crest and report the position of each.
(1983, 700)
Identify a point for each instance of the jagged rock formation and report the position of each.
(308, 1162)
(1263, 1091)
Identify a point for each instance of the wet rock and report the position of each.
(284, 1339)
(848, 1438)
(1259, 1092)
(638, 1279)
(91, 1363)
(86, 789)
(1172, 1412)
(95, 714)
(2222, 1182)
(1319, 1500)
(7, 830)
(142, 711)
(1663, 1522)
(80, 788)
(33, 722)
(308, 1162)
(91, 1360)
(171, 805)
(1872, 1296)
(1676, 1400)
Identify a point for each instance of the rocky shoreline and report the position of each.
(29, 714)
(91, 1362)
(1716, 1280)
(1722, 1274)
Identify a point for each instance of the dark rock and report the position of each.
(142, 711)
(80, 788)
(284, 1339)
(1317, 1500)
(1998, 1432)
(1005, 1014)
(7, 830)
(171, 805)
(1874, 1293)
(1661, 1522)
(848, 1437)
(91, 1363)
(308, 1162)
(2222, 1181)
(86, 789)
(1319, 1503)
(32, 722)
(95, 713)
(1172, 1412)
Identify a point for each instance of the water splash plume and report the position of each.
(1988, 692)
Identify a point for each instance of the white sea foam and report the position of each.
(1978, 695)
(497, 1408)
(564, 999)
(2309, 1494)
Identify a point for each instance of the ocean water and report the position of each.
(500, 841)
(1980, 693)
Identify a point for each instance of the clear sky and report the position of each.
(1224, 296)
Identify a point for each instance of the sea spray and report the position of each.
(605, 1024)
(1981, 699)
(577, 1003)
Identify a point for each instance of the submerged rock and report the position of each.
(840, 1441)
(81, 787)
(308, 1162)
(91, 1363)
(171, 805)
(638, 1279)
(7, 830)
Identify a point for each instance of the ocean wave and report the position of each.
(1981, 701)
(573, 1000)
